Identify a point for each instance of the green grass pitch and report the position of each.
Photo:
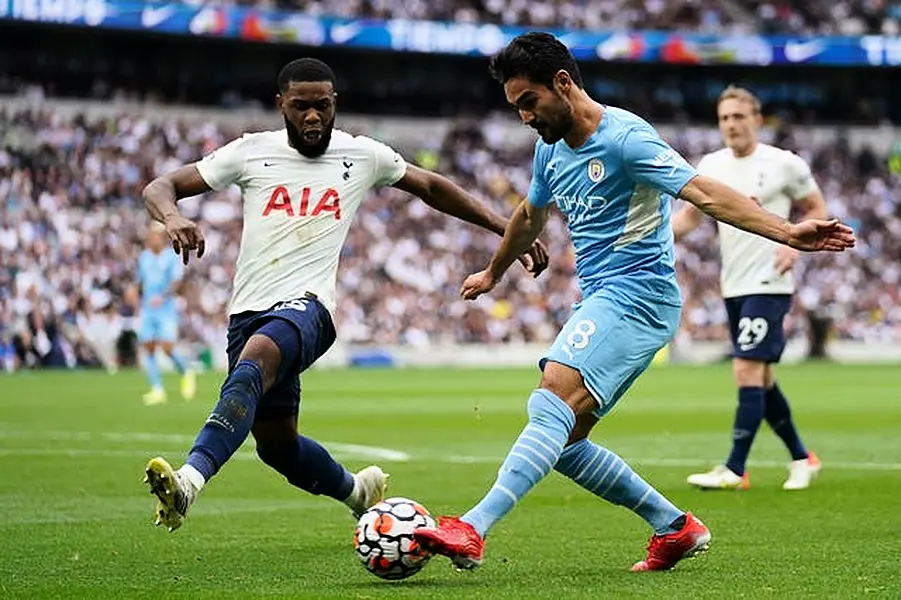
(75, 520)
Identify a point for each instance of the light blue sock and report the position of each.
(178, 361)
(153, 370)
(605, 474)
(532, 457)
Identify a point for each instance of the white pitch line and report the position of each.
(8, 431)
(368, 451)
(100, 452)
(356, 450)
(203, 509)
(351, 450)
(342, 451)
(693, 462)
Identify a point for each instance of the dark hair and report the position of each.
(305, 69)
(537, 56)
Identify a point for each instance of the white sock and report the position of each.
(352, 499)
(194, 476)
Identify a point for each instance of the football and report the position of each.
(383, 539)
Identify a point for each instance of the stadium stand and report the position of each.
(703, 15)
(845, 17)
(72, 224)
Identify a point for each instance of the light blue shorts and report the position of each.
(158, 326)
(611, 341)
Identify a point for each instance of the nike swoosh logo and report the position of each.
(268, 164)
(345, 33)
(803, 51)
(619, 45)
(151, 17)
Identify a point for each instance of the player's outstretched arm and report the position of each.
(525, 226)
(444, 195)
(814, 206)
(686, 220)
(161, 198)
(727, 205)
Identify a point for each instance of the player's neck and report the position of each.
(744, 152)
(587, 115)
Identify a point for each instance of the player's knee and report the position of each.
(585, 422)
(769, 377)
(275, 432)
(150, 347)
(567, 384)
(273, 437)
(271, 455)
(749, 373)
(263, 350)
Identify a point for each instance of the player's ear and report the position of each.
(278, 102)
(562, 81)
(758, 119)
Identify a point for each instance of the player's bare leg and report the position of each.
(759, 398)
(750, 377)
(280, 446)
(188, 377)
(805, 465)
(677, 534)
(302, 461)
(157, 394)
(225, 430)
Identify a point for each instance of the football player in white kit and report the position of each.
(301, 187)
(757, 284)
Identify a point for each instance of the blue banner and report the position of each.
(453, 38)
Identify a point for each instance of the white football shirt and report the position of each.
(774, 178)
(297, 210)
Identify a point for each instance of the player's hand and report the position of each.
(536, 259)
(156, 301)
(817, 235)
(477, 284)
(185, 235)
(785, 259)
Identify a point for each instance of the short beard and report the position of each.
(560, 128)
(309, 150)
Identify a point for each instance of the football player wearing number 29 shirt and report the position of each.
(757, 285)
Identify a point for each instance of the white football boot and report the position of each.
(370, 485)
(175, 493)
(802, 472)
(720, 477)
(155, 396)
(188, 385)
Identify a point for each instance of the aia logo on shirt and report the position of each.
(307, 206)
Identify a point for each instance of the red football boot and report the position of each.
(454, 539)
(664, 551)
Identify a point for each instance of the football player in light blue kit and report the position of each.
(613, 177)
(159, 274)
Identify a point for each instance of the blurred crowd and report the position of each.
(72, 225)
(842, 17)
(704, 15)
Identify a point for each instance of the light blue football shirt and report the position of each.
(157, 273)
(615, 191)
